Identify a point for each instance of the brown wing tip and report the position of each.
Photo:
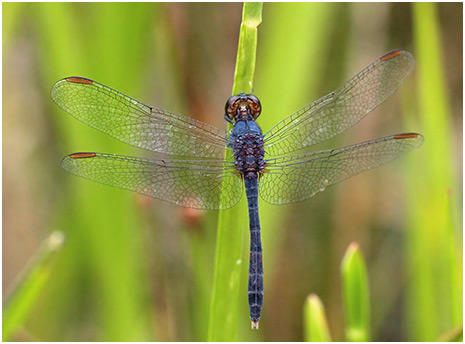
(79, 80)
(254, 325)
(391, 54)
(82, 155)
(406, 136)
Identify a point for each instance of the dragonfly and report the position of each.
(203, 160)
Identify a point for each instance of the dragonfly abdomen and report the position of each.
(255, 287)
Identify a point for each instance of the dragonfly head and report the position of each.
(242, 107)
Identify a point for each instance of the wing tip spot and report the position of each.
(82, 155)
(79, 80)
(406, 136)
(391, 54)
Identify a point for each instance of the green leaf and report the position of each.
(247, 49)
(315, 324)
(355, 295)
(30, 285)
(233, 222)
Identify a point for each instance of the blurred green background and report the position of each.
(137, 269)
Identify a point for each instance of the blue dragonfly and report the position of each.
(197, 171)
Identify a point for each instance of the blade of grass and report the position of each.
(434, 301)
(315, 324)
(355, 295)
(232, 222)
(247, 49)
(30, 285)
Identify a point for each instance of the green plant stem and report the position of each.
(233, 222)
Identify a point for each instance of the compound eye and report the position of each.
(231, 106)
(254, 105)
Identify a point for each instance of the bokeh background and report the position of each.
(136, 269)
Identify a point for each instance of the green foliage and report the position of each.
(355, 295)
(434, 302)
(315, 323)
(29, 287)
(247, 49)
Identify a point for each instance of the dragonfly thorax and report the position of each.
(249, 152)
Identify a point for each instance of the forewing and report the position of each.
(342, 108)
(192, 184)
(296, 178)
(135, 123)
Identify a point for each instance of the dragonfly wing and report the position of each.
(135, 123)
(192, 184)
(342, 108)
(296, 178)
